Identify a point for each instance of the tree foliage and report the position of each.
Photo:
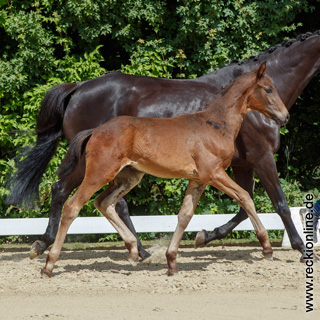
(47, 42)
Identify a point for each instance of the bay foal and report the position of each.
(196, 146)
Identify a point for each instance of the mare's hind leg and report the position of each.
(125, 180)
(224, 183)
(60, 193)
(190, 202)
(70, 211)
(93, 181)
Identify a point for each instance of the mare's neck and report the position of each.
(290, 68)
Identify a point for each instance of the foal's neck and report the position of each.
(226, 112)
(232, 104)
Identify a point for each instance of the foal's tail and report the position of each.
(24, 184)
(75, 151)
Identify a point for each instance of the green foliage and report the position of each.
(47, 42)
(148, 60)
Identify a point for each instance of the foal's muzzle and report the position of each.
(286, 120)
(283, 122)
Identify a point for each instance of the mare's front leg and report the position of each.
(193, 194)
(223, 182)
(244, 178)
(266, 170)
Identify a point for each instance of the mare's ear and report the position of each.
(261, 70)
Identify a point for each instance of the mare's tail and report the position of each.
(75, 151)
(24, 184)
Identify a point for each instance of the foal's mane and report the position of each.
(244, 77)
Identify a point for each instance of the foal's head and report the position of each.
(264, 98)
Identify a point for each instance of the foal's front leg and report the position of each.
(223, 182)
(193, 194)
(244, 177)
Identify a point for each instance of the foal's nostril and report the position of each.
(288, 117)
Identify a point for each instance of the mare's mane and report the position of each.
(285, 44)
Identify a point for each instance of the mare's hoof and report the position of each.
(45, 273)
(144, 255)
(37, 249)
(200, 239)
(315, 258)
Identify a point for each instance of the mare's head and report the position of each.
(263, 97)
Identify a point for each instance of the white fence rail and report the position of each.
(95, 225)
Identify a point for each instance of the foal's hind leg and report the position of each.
(71, 210)
(126, 180)
(223, 182)
(92, 182)
(60, 193)
(123, 212)
(190, 202)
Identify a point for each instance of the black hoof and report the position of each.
(314, 257)
(144, 255)
(37, 249)
(200, 239)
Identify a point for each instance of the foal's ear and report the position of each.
(261, 70)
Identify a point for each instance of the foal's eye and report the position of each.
(268, 90)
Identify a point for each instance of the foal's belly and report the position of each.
(166, 170)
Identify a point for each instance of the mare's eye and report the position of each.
(268, 90)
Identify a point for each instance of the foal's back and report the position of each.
(168, 148)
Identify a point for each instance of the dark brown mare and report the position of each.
(197, 146)
(290, 66)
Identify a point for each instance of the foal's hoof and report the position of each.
(172, 272)
(37, 249)
(200, 239)
(269, 257)
(267, 254)
(133, 260)
(45, 273)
